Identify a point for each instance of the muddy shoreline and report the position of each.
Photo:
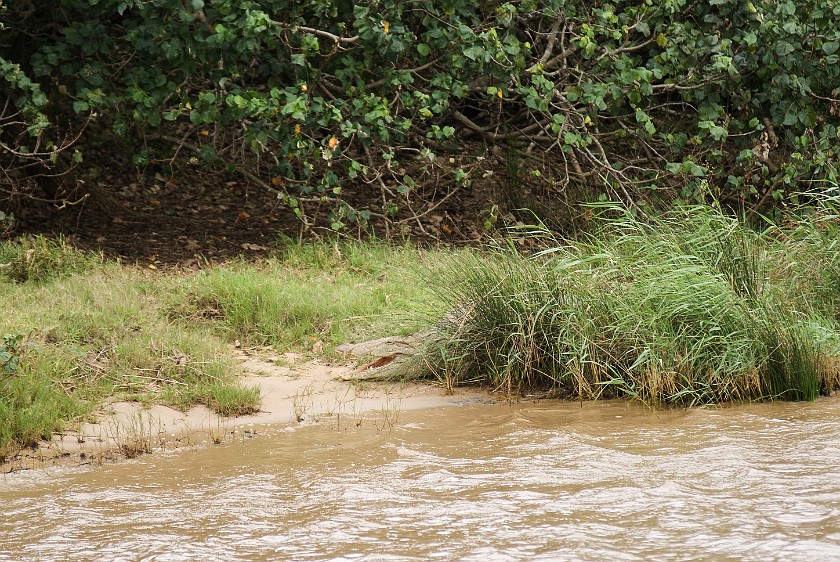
(294, 390)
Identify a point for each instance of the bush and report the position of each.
(638, 100)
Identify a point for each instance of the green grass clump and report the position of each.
(40, 259)
(689, 307)
(330, 293)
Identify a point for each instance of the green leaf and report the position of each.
(423, 49)
(791, 116)
(697, 171)
(719, 133)
(830, 47)
(783, 48)
(39, 98)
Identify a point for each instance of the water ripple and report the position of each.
(527, 482)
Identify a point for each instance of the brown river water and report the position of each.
(541, 481)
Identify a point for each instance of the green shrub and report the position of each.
(639, 100)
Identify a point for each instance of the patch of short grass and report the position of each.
(39, 259)
(224, 399)
(317, 294)
(102, 335)
(91, 331)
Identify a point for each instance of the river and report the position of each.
(531, 481)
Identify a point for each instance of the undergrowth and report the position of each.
(690, 307)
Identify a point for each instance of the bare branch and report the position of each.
(319, 32)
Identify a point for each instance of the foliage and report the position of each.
(10, 352)
(113, 332)
(641, 100)
(690, 307)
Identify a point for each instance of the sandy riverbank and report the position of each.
(293, 390)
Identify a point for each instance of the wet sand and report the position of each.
(294, 390)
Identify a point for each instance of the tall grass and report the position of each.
(692, 306)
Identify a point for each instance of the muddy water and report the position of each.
(542, 481)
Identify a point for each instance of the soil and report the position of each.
(193, 216)
(294, 391)
(177, 213)
(168, 220)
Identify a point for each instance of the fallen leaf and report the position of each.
(243, 216)
(253, 247)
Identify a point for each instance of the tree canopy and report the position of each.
(639, 100)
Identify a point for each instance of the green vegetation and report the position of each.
(690, 307)
(315, 292)
(42, 259)
(81, 331)
(372, 115)
(337, 104)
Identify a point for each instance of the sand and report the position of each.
(294, 390)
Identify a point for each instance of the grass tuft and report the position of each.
(691, 307)
(40, 259)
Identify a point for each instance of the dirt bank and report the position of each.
(294, 391)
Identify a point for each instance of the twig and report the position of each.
(196, 149)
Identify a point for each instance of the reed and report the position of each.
(689, 307)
